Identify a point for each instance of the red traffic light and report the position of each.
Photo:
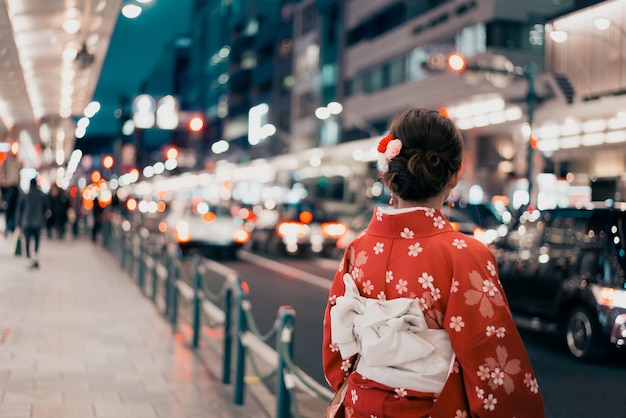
(456, 62)
(195, 124)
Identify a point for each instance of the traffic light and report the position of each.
(195, 124)
(456, 62)
(107, 161)
(438, 62)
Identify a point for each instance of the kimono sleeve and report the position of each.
(336, 369)
(497, 373)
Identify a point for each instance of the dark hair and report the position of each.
(432, 151)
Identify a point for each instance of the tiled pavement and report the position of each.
(79, 340)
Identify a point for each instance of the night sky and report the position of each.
(134, 50)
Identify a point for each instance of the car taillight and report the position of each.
(334, 229)
(208, 217)
(242, 236)
(290, 229)
(182, 232)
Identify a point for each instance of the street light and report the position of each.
(328, 114)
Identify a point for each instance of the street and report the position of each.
(570, 388)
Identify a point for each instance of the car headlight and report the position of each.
(334, 229)
(609, 296)
(242, 236)
(291, 229)
(183, 233)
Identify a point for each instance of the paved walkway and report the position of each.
(77, 339)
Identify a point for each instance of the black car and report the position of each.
(564, 271)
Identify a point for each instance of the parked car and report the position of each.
(196, 227)
(564, 271)
(493, 222)
(297, 228)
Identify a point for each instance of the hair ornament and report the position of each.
(388, 148)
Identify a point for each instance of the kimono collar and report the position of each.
(408, 222)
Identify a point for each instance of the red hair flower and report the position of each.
(388, 148)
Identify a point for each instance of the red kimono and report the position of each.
(417, 254)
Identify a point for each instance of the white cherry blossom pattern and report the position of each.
(332, 300)
(426, 280)
(400, 392)
(354, 395)
(415, 249)
(489, 403)
(379, 215)
(499, 332)
(484, 372)
(381, 295)
(456, 368)
(491, 268)
(424, 306)
(356, 273)
(497, 377)
(435, 293)
(368, 287)
(454, 287)
(407, 234)
(438, 222)
(378, 248)
(429, 212)
(489, 287)
(531, 383)
(456, 323)
(346, 365)
(459, 243)
(334, 347)
(402, 286)
(388, 276)
(460, 414)
(480, 393)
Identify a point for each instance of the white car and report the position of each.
(197, 227)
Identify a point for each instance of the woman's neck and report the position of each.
(435, 202)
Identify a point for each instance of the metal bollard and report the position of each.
(228, 328)
(141, 269)
(242, 326)
(197, 301)
(123, 250)
(174, 292)
(155, 276)
(286, 315)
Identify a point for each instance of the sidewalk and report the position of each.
(77, 339)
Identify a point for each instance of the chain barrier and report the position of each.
(235, 318)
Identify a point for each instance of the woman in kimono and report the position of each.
(417, 323)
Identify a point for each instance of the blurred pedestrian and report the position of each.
(417, 323)
(59, 206)
(32, 208)
(98, 218)
(9, 181)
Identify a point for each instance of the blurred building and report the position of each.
(379, 57)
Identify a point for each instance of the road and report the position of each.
(570, 388)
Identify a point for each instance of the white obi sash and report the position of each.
(396, 346)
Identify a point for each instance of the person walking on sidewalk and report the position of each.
(32, 210)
